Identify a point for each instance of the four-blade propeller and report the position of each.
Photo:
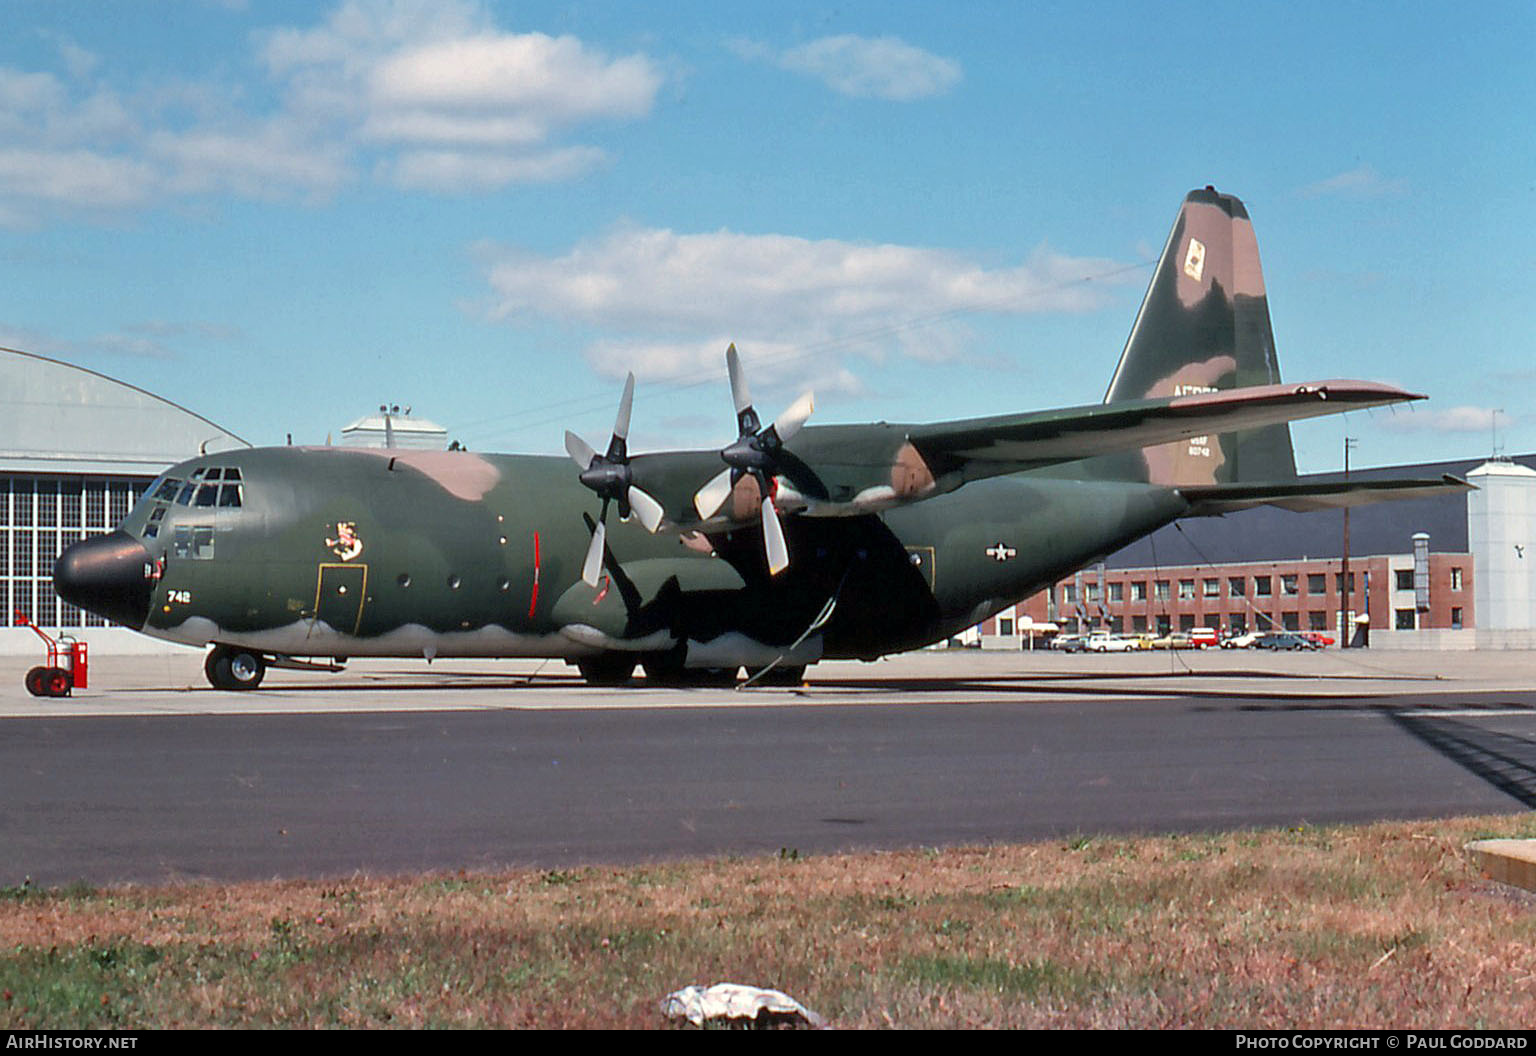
(755, 453)
(609, 475)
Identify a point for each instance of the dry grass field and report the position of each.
(1386, 925)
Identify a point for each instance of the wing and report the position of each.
(1044, 438)
(850, 470)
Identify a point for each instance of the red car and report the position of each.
(1317, 638)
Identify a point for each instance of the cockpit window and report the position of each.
(205, 486)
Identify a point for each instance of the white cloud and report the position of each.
(866, 67)
(466, 106)
(657, 277)
(457, 171)
(530, 77)
(260, 161)
(77, 60)
(46, 178)
(1362, 181)
(801, 303)
(156, 339)
(1463, 419)
(428, 95)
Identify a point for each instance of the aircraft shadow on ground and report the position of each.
(1163, 685)
(1505, 761)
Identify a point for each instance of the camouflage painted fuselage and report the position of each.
(341, 552)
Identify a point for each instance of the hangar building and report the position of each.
(77, 449)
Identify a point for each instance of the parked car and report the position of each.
(1203, 636)
(1069, 643)
(1175, 640)
(1104, 642)
(1318, 638)
(1240, 641)
(1284, 640)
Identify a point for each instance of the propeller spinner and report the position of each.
(610, 477)
(755, 453)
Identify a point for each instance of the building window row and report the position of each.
(39, 518)
(1260, 586)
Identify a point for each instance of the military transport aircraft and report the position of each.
(792, 544)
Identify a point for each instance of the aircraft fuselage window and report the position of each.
(229, 495)
(167, 490)
(184, 497)
(194, 541)
(208, 495)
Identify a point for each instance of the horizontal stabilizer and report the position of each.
(1301, 496)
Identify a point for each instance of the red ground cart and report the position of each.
(65, 669)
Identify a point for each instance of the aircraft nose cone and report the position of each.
(112, 575)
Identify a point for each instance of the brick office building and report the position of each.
(1412, 566)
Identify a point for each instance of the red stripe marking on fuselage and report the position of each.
(533, 597)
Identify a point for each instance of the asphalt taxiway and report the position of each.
(392, 766)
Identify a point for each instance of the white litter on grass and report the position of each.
(734, 1003)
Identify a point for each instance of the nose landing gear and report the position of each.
(231, 667)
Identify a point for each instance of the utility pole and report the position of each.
(1345, 624)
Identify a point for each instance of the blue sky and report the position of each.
(283, 214)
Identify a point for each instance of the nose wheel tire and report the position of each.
(229, 667)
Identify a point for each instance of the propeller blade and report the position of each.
(646, 508)
(621, 424)
(592, 567)
(788, 424)
(618, 444)
(708, 499)
(580, 451)
(773, 539)
(739, 393)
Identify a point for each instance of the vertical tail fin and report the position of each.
(1204, 325)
